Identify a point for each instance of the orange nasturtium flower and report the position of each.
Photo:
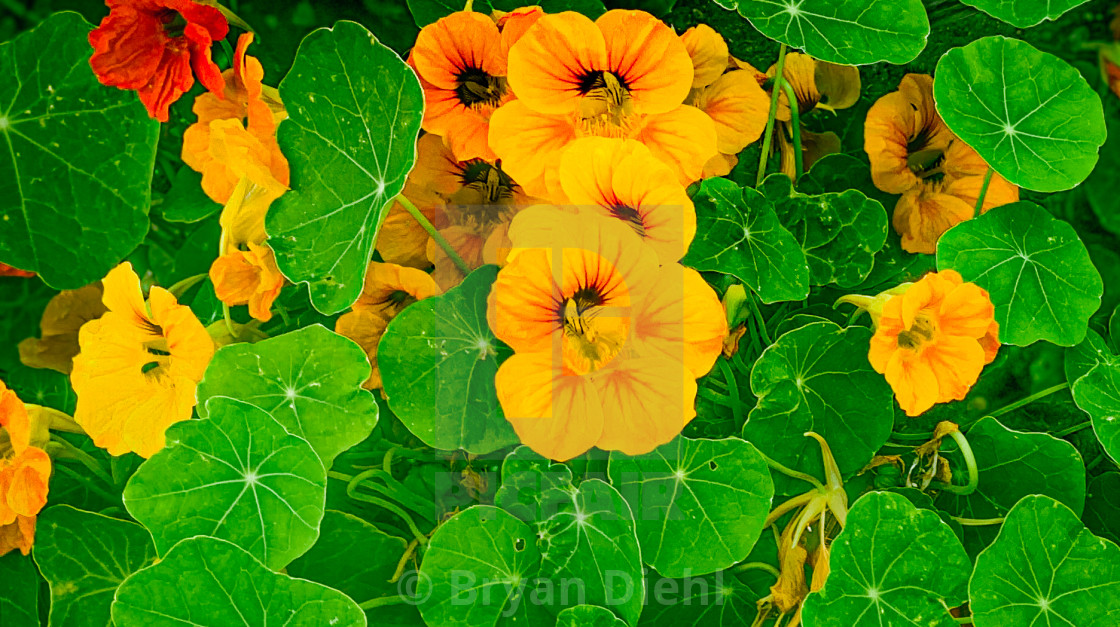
(608, 344)
(932, 338)
(139, 366)
(6, 270)
(25, 470)
(913, 153)
(387, 290)
(624, 75)
(61, 321)
(245, 273)
(151, 46)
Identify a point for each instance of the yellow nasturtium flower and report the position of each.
(25, 470)
(139, 366)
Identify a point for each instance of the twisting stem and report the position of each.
(436, 235)
(732, 390)
(744, 567)
(795, 125)
(1028, 400)
(761, 321)
(983, 192)
(352, 492)
(768, 138)
(970, 463)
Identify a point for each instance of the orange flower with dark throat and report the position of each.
(25, 470)
(151, 45)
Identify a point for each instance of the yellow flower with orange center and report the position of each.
(624, 75)
(940, 177)
(63, 317)
(25, 471)
(932, 339)
(608, 344)
(387, 290)
(139, 366)
(246, 273)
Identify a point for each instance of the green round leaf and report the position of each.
(1011, 464)
(1025, 13)
(236, 475)
(1034, 266)
(207, 581)
(1080, 359)
(1098, 394)
(480, 550)
(892, 564)
(41, 386)
(699, 504)
(533, 488)
(817, 378)
(84, 557)
(839, 232)
(19, 596)
(359, 560)
(310, 381)
(588, 616)
(354, 110)
(738, 233)
(76, 158)
(1102, 506)
(1029, 114)
(1045, 568)
(438, 359)
(852, 32)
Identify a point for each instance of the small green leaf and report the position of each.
(817, 378)
(359, 560)
(588, 616)
(1025, 13)
(892, 564)
(1035, 267)
(533, 488)
(839, 232)
(438, 359)
(699, 504)
(84, 557)
(185, 201)
(853, 32)
(1011, 464)
(76, 158)
(236, 475)
(41, 386)
(1098, 394)
(1080, 359)
(481, 549)
(19, 596)
(354, 112)
(738, 233)
(1029, 114)
(1045, 568)
(1102, 506)
(308, 380)
(207, 581)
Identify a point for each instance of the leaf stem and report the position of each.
(1074, 429)
(87, 482)
(983, 192)
(970, 463)
(181, 287)
(789, 472)
(758, 316)
(768, 138)
(1006, 409)
(732, 390)
(744, 567)
(352, 492)
(85, 458)
(795, 126)
(436, 235)
(977, 522)
(394, 599)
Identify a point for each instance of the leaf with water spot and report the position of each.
(438, 359)
(1098, 394)
(207, 581)
(237, 475)
(738, 233)
(852, 32)
(893, 564)
(699, 504)
(84, 557)
(308, 380)
(1025, 13)
(354, 110)
(1034, 266)
(76, 158)
(1046, 568)
(1029, 114)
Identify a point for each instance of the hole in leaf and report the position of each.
(519, 544)
(713, 465)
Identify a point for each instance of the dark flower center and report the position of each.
(477, 88)
(630, 216)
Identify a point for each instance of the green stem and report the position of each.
(1074, 429)
(715, 397)
(758, 316)
(436, 235)
(768, 138)
(181, 287)
(977, 522)
(970, 463)
(84, 480)
(732, 390)
(393, 489)
(86, 460)
(119, 471)
(789, 472)
(395, 599)
(1028, 400)
(742, 568)
(983, 192)
(352, 492)
(795, 126)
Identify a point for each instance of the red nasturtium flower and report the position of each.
(151, 45)
(139, 366)
(608, 344)
(932, 338)
(25, 470)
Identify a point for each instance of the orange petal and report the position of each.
(18, 535)
(26, 492)
(956, 362)
(738, 106)
(647, 55)
(708, 52)
(682, 319)
(648, 401)
(966, 312)
(14, 419)
(458, 42)
(529, 145)
(465, 242)
(685, 138)
(899, 123)
(366, 329)
(923, 214)
(549, 62)
(914, 383)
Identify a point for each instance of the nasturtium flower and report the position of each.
(624, 75)
(817, 85)
(235, 135)
(25, 471)
(248, 277)
(932, 339)
(621, 179)
(739, 107)
(151, 45)
(608, 345)
(387, 290)
(434, 179)
(709, 54)
(139, 366)
(62, 319)
(6, 270)
(1110, 66)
